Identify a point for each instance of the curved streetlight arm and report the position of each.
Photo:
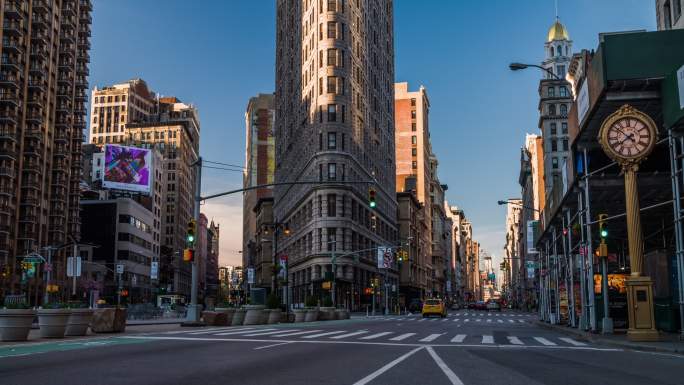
(521, 66)
(501, 203)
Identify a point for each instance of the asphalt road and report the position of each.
(466, 348)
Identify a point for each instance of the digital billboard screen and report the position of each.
(127, 168)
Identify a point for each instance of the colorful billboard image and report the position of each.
(127, 168)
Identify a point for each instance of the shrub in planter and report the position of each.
(311, 302)
(15, 322)
(53, 319)
(79, 320)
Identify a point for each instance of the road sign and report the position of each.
(119, 268)
(73, 267)
(250, 275)
(154, 270)
(531, 264)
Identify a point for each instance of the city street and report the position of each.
(467, 347)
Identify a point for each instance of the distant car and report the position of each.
(434, 307)
(415, 306)
(455, 306)
(472, 305)
(480, 305)
(493, 306)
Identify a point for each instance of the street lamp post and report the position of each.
(520, 66)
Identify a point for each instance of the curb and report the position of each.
(619, 344)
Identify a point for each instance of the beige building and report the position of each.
(43, 83)
(165, 123)
(334, 118)
(669, 14)
(511, 258)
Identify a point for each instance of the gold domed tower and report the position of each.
(558, 49)
(557, 32)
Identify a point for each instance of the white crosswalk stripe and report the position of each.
(431, 337)
(489, 320)
(260, 333)
(572, 342)
(467, 320)
(325, 334)
(521, 321)
(487, 339)
(209, 331)
(511, 321)
(374, 336)
(515, 340)
(499, 321)
(296, 334)
(544, 341)
(402, 337)
(445, 319)
(456, 319)
(339, 337)
(241, 332)
(458, 338)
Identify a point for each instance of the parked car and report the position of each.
(493, 306)
(480, 305)
(415, 306)
(472, 305)
(434, 307)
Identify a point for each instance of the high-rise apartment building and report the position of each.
(669, 14)
(130, 114)
(334, 121)
(510, 276)
(554, 103)
(43, 82)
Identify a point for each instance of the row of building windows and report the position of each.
(562, 109)
(562, 91)
(554, 162)
(109, 99)
(556, 143)
(135, 222)
(553, 128)
(134, 239)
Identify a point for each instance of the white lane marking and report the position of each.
(487, 339)
(489, 320)
(544, 341)
(296, 334)
(240, 332)
(466, 320)
(434, 319)
(445, 319)
(325, 334)
(453, 378)
(421, 320)
(339, 337)
(431, 337)
(458, 338)
(456, 319)
(268, 333)
(271, 346)
(374, 336)
(521, 321)
(511, 321)
(205, 331)
(572, 342)
(385, 368)
(402, 337)
(479, 319)
(515, 340)
(499, 321)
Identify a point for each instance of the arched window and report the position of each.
(550, 92)
(559, 51)
(563, 109)
(552, 109)
(552, 51)
(567, 51)
(563, 91)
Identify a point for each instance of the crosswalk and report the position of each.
(364, 335)
(499, 319)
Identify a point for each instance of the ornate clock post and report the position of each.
(628, 137)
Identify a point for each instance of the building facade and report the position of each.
(212, 272)
(669, 14)
(511, 259)
(334, 124)
(43, 80)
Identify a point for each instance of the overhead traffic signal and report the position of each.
(603, 228)
(371, 198)
(190, 236)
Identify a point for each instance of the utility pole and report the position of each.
(193, 310)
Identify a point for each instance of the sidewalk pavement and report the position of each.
(669, 342)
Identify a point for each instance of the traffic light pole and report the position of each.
(193, 314)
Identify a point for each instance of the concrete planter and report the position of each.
(299, 315)
(78, 323)
(326, 314)
(274, 316)
(53, 322)
(254, 315)
(341, 314)
(228, 311)
(15, 324)
(214, 318)
(265, 314)
(108, 320)
(311, 315)
(238, 317)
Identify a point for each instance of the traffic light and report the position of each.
(371, 198)
(603, 228)
(188, 255)
(190, 237)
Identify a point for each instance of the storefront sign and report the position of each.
(583, 102)
(532, 229)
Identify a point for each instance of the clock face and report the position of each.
(629, 137)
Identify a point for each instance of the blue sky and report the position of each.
(221, 54)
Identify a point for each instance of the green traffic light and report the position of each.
(372, 204)
(191, 238)
(604, 233)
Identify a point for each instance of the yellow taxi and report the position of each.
(434, 307)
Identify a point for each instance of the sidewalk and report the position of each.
(669, 342)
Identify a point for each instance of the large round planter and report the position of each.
(238, 317)
(78, 322)
(254, 315)
(265, 314)
(341, 314)
(311, 315)
(274, 316)
(15, 324)
(53, 322)
(299, 315)
(326, 314)
(229, 312)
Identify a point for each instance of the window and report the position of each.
(552, 51)
(559, 51)
(320, 31)
(332, 205)
(332, 140)
(554, 145)
(332, 5)
(552, 109)
(667, 18)
(414, 165)
(414, 139)
(553, 129)
(560, 71)
(332, 112)
(320, 85)
(677, 9)
(565, 145)
(332, 171)
(332, 57)
(413, 114)
(563, 91)
(551, 92)
(332, 235)
(414, 152)
(413, 102)
(332, 84)
(564, 128)
(332, 30)
(563, 109)
(413, 126)
(554, 163)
